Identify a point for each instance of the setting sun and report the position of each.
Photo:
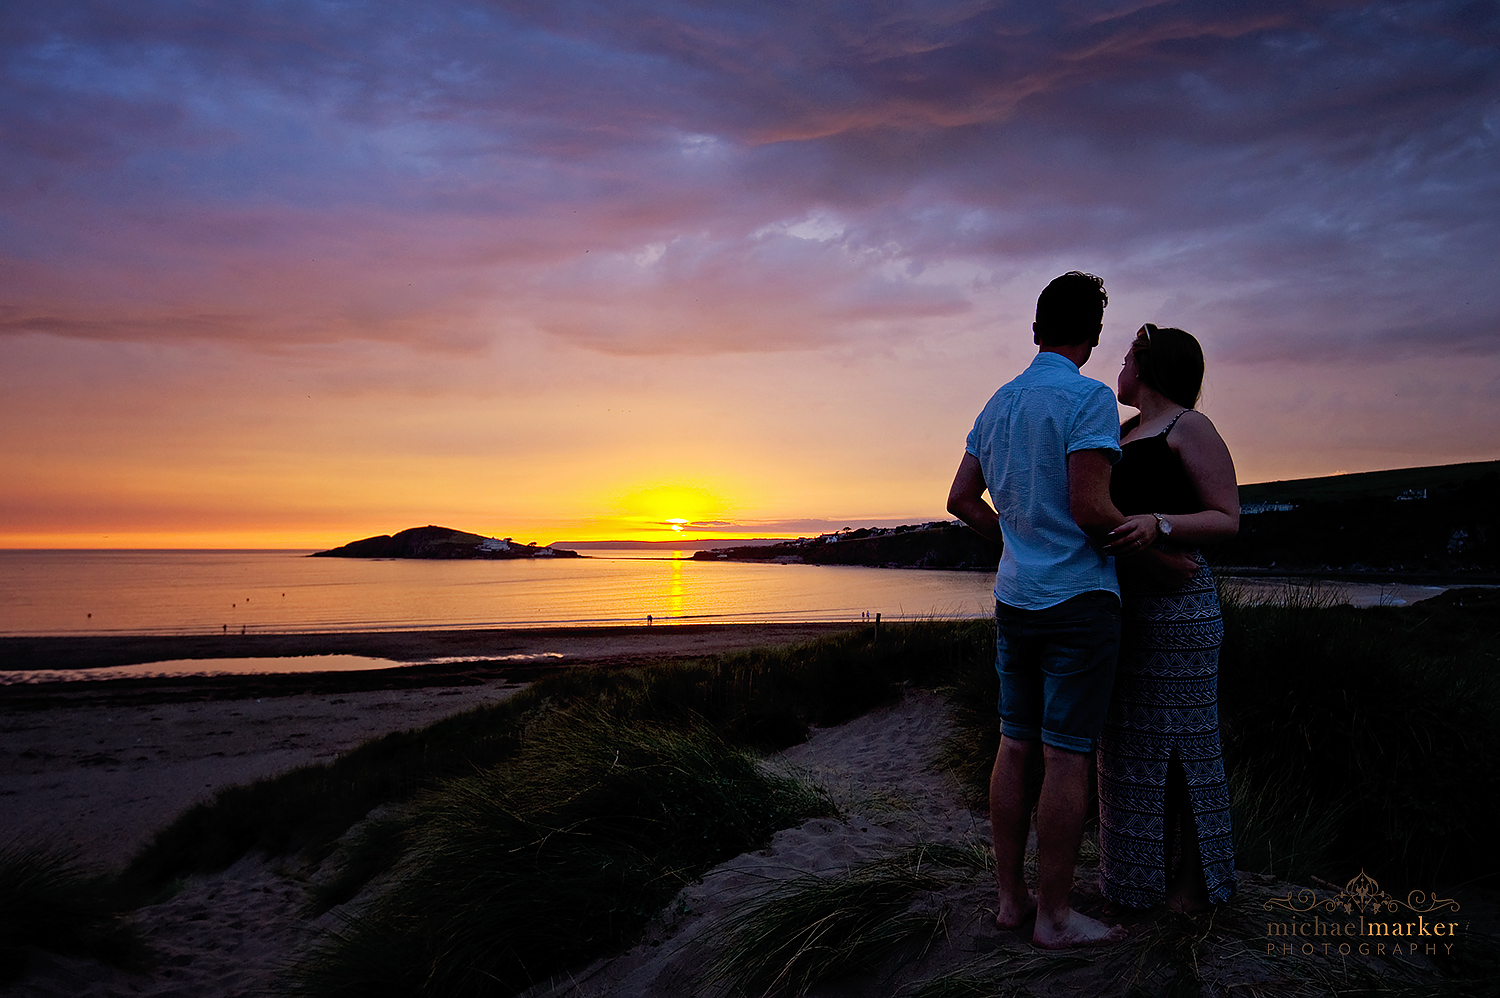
(662, 510)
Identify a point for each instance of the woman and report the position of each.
(1164, 834)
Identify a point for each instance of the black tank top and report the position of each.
(1150, 478)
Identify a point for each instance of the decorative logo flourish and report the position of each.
(1364, 895)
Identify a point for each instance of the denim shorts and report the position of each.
(1057, 669)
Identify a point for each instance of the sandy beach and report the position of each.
(102, 765)
(103, 768)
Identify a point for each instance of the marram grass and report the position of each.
(1385, 722)
(815, 929)
(50, 901)
(563, 854)
(1224, 952)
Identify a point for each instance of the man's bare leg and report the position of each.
(1010, 823)
(1059, 828)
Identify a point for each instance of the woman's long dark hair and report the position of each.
(1171, 362)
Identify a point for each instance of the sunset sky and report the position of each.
(283, 274)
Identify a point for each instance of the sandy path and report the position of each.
(879, 770)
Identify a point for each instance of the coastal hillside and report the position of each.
(941, 544)
(441, 543)
(1442, 520)
(1397, 483)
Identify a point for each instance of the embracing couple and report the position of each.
(1107, 619)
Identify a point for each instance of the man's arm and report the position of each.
(1096, 515)
(966, 499)
(1088, 494)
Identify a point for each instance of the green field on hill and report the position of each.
(1370, 484)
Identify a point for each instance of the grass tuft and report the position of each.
(49, 901)
(1279, 829)
(981, 980)
(1363, 739)
(1225, 951)
(815, 929)
(1005, 974)
(560, 855)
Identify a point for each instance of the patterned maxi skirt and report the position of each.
(1165, 703)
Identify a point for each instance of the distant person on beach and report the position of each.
(1164, 833)
(1043, 447)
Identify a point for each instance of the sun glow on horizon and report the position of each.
(663, 510)
(322, 538)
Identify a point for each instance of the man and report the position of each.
(1043, 447)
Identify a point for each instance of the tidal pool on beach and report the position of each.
(250, 666)
(207, 667)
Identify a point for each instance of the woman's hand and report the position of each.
(1137, 533)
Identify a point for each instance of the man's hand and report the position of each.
(1137, 533)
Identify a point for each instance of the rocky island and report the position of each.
(442, 543)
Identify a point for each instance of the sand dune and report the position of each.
(106, 777)
(103, 770)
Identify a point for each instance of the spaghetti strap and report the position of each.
(1174, 422)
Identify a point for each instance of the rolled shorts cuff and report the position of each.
(1020, 732)
(1070, 743)
(1032, 733)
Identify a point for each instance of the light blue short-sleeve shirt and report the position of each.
(1022, 440)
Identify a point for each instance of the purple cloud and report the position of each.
(651, 177)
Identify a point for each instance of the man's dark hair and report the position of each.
(1172, 363)
(1070, 310)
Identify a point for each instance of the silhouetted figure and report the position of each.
(1042, 447)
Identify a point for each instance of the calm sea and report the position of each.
(198, 592)
(195, 592)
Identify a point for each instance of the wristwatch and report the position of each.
(1163, 525)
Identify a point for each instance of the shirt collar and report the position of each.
(1046, 358)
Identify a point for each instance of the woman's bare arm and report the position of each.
(1206, 460)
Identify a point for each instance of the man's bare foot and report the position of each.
(1074, 931)
(1014, 911)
